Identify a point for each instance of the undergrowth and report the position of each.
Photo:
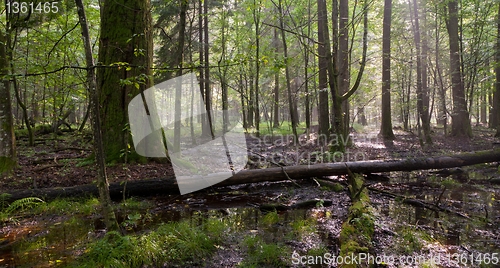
(176, 242)
(7, 210)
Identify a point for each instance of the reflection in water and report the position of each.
(480, 232)
(57, 243)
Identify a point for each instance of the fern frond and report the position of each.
(23, 203)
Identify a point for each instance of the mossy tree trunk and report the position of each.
(126, 44)
(102, 180)
(7, 138)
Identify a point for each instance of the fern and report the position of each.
(23, 203)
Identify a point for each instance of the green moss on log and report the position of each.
(357, 232)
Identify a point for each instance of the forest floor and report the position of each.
(59, 161)
(467, 225)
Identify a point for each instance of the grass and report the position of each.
(302, 228)
(261, 254)
(68, 206)
(179, 242)
(284, 129)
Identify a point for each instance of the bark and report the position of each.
(287, 73)
(323, 110)
(496, 95)
(306, 68)
(169, 186)
(208, 89)
(7, 138)
(256, 19)
(125, 37)
(343, 61)
(422, 95)
(178, 89)
(460, 125)
(102, 180)
(386, 124)
(442, 118)
(276, 119)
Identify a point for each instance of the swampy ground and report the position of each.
(293, 223)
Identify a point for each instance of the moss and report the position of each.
(357, 231)
(7, 165)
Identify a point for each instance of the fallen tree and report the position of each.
(169, 185)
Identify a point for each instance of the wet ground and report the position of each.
(402, 230)
(463, 232)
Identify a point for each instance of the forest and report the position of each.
(249, 133)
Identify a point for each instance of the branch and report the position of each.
(363, 60)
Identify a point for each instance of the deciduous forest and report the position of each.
(249, 133)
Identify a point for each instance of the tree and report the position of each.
(125, 50)
(386, 125)
(256, 20)
(496, 94)
(324, 122)
(460, 125)
(102, 180)
(178, 89)
(276, 92)
(7, 139)
(343, 54)
(293, 120)
(422, 94)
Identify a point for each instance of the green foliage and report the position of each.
(450, 183)
(68, 206)
(411, 242)
(86, 161)
(270, 218)
(302, 228)
(284, 129)
(178, 242)
(261, 254)
(6, 210)
(357, 230)
(7, 164)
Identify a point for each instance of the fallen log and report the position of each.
(169, 185)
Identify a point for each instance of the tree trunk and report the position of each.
(276, 119)
(203, 116)
(8, 159)
(293, 119)
(208, 88)
(178, 89)
(496, 95)
(442, 117)
(386, 124)
(256, 19)
(102, 180)
(422, 98)
(460, 125)
(344, 76)
(125, 37)
(306, 68)
(169, 186)
(323, 110)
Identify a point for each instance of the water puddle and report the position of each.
(472, 230)
(50, 240)
(58, 240)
